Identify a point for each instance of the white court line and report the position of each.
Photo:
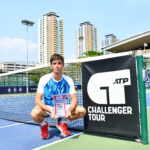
(16, 124)
(57, 141)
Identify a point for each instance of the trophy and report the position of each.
(60, 105)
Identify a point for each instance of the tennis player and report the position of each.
(53, 88)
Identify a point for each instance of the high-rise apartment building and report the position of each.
(50, 37)
(109, 39)
(86, 38)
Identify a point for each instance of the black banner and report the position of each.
(110, 96)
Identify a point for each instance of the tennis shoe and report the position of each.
(44, 131)
(63, 129)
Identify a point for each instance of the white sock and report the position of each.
(43, 123)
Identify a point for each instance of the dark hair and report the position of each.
(56, 56)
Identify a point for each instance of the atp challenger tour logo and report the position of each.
(108, 88)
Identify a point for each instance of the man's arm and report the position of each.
(74, 102)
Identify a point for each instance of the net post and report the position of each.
(27, 82)
(142, 96)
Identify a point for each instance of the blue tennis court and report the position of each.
(20, 136)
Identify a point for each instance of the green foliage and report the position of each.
(35, 75)
(71, 69)
(92, 53)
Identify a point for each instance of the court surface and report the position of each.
(96, 142)
(20, 136)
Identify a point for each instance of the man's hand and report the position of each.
(53, 115)
(68, 113)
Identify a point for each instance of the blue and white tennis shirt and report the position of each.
(48, 86)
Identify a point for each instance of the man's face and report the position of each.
(57, 66)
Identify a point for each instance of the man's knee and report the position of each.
(82, 111)
(36, 111)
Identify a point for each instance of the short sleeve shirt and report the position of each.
(49, 87)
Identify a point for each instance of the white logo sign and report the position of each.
(9, 90)
(20, 89)
(109, 87)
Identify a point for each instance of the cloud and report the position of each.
(14, 49)
(8, 43)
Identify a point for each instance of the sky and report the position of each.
(123, 18)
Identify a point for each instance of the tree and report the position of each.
(92, 53)
(34, 76)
